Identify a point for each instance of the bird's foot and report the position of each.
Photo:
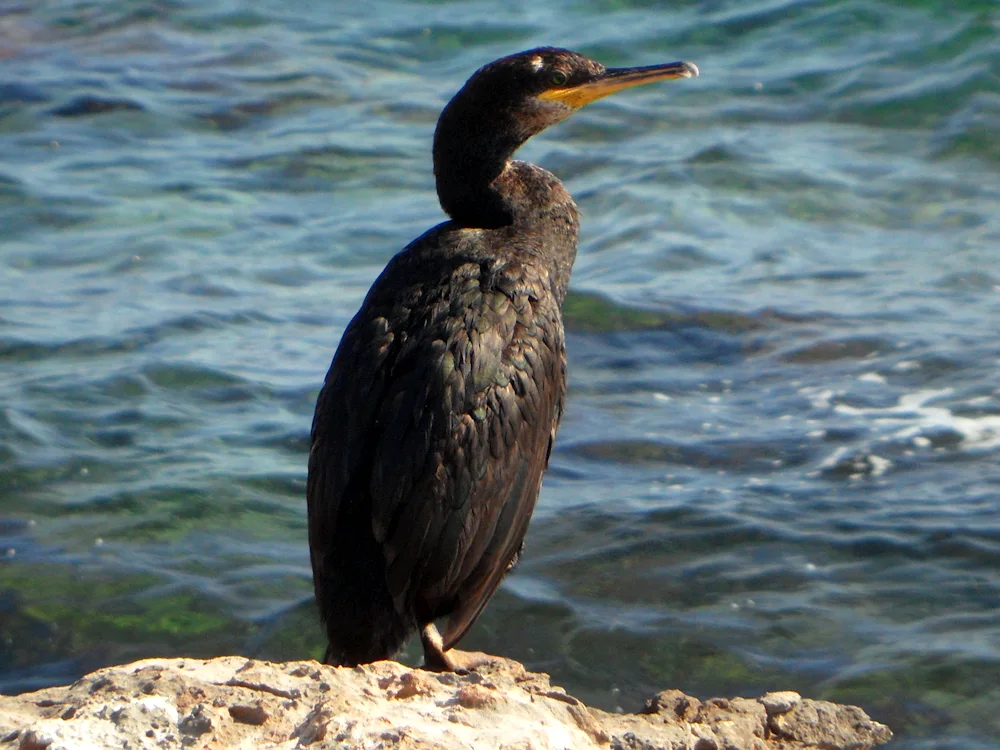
(463, 662)
(436, 659)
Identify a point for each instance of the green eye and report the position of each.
(558, 78)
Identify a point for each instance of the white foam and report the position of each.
(819, 397)
(914, 415)
(879, 465)
(872, 466)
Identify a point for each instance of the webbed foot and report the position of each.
(436, 659)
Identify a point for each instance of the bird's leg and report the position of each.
(434, 656)
(436, 659)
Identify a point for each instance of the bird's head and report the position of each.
(506, 102)
(532, 90)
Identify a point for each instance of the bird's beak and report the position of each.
(616, 79)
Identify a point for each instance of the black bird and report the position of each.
(436, 420)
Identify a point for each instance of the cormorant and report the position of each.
(436, 420)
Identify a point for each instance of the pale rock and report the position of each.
(237, 703)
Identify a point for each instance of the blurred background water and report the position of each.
(778, 467)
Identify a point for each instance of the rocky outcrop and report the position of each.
(233, 702)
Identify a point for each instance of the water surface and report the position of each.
(778, 467)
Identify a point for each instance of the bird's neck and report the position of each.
(470, 156)
(474, 198)
(480, 186)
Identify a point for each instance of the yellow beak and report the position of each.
(616, 79)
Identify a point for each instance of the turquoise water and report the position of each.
(778, 467)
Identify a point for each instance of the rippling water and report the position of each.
(779, 463)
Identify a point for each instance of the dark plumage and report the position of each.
(437, 417)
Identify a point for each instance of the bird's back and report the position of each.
(432, 432)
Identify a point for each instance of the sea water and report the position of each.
(778, 467)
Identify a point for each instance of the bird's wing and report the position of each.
(465, 430)
(344, 432)
(502, 551)
(442, 419)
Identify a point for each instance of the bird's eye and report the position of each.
(558, 78)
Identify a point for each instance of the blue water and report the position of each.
(778, 467)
